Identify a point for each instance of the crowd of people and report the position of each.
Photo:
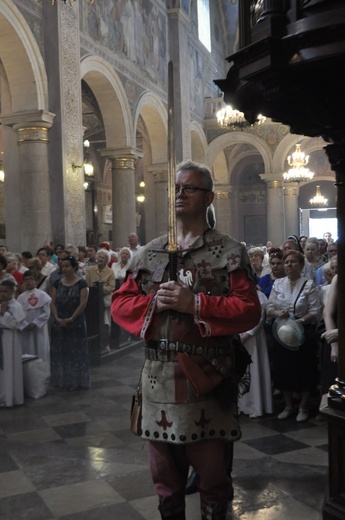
(43, 297)
(296, 278)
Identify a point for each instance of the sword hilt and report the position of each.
(173, 265)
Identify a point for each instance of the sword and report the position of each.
(172, 232)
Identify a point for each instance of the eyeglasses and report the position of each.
(188, 189)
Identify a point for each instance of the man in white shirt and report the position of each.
(133, 243)
(44, 254)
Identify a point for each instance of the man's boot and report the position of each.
(191, 486)
(172, 510)
(217, 512)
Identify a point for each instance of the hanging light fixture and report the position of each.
(2, 173)
(231, 119)
(298, 171)
(318, 199)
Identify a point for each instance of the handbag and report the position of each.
(136, 415)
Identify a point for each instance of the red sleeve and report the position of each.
(131, 309)
(214, 315)
(226, 315)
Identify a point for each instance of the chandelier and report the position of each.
(298, 173)
(318, 199)
(230, 118)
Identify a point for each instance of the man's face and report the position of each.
(133, 240)
(91, 252)
(328, 237)
(332, 250)
(192, 204)
(3, 250)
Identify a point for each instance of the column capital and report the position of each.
(273, 180)
(291, 189)
(120, 153)
(159, 172)
(36, 118)
(222, 194)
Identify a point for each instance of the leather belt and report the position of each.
(164, 345)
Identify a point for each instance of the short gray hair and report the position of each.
(203, 170)
(105, 252)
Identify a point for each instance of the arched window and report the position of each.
(204, 26)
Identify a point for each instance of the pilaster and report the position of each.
(178, 51)
(291, 192)
(275, 208)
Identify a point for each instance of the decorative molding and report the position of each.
(33, 134)
(275, 184)
(222, 195)
(291, 191)
(123, 163)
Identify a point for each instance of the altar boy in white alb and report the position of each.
(36, 305)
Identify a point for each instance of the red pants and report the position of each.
(169, 465)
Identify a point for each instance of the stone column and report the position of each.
(29, 188)
(62, 61)
(222, 207)
(123, 194)
(275, 209)
(178, 52)
(234, 229)
(159, 224)
(291, 192)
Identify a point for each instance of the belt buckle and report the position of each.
(163, 344)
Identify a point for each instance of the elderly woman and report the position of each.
(104, 274)
(256, 257)
(276, 265)
(120, 267)
(311, 252)
(295, 370)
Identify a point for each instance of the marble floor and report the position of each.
(70, 456)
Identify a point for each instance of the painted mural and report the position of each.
(133, 29)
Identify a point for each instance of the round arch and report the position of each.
(111, 97)
(198, 142)
(23, 63)
(229, 138)
(154, 114)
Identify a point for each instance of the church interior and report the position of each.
(84, 159)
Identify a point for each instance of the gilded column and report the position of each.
(291, 192)
(275, 209)
(123, 195)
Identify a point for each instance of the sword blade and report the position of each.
(172, 233)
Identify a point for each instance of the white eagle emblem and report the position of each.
(186, 278)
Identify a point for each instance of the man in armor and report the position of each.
(189, 321)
